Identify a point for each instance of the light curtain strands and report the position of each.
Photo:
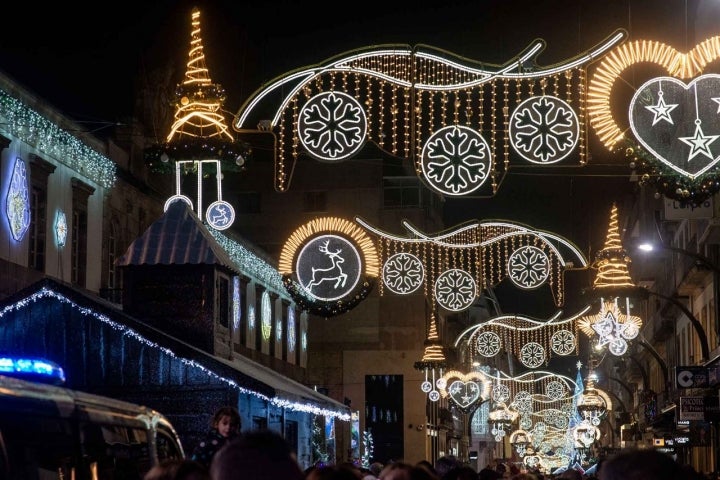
(557, 337)
(483, 250)
(430, 76)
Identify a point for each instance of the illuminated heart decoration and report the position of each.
(464, 394)
(467, 391)
(679, 123)
(616, 61)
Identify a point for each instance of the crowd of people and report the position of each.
(227, 454)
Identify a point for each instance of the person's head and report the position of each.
(226, 421)
(376, 468)
(523, 476)
(445, 463)
(640, 464)
(177, 469)
(332, 472)
(462, 472)
(488, 473)
(571, 474)
(427, 466)
(255, 455)
(405, 471)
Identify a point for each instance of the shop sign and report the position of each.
(692, 408)
(691, 376)
(675, 210)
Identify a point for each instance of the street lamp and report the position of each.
(700, 259)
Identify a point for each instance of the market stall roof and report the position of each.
(178, 237)
(242, 372)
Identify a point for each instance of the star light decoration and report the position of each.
(675, 125)
(610, 326)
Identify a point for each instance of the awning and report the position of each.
(289, 393)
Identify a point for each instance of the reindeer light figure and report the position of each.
(333, 273)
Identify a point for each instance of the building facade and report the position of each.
(680, 334)
(72, 206)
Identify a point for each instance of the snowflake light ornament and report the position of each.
(544, 129)
(456, 160)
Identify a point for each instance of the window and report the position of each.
(118, 451)
(401, 192)
(78, 232)
(384, 415)
(244, 315)
(112, 274)
(223, 301)
(315, 202)
(37, 233)
(40, 170)
(291, 434)
(38, 447)
(166, 445)
(259, 423)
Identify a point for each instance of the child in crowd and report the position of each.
(224, 425)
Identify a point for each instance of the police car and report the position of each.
(48, 431)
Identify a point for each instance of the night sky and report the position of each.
(91, 64)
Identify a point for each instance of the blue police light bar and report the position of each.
(36, 369)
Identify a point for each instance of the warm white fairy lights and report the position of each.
(197, 112)
(302, 234)
(482, 250)
(466, 390)
(278, 401)
(612, 66)
(22, 122)
(513, 333)
(399, 88)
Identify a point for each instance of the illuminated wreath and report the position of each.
(161, 158)
(329, 265)
(667, 182)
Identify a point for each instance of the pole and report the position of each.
(694, 321)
